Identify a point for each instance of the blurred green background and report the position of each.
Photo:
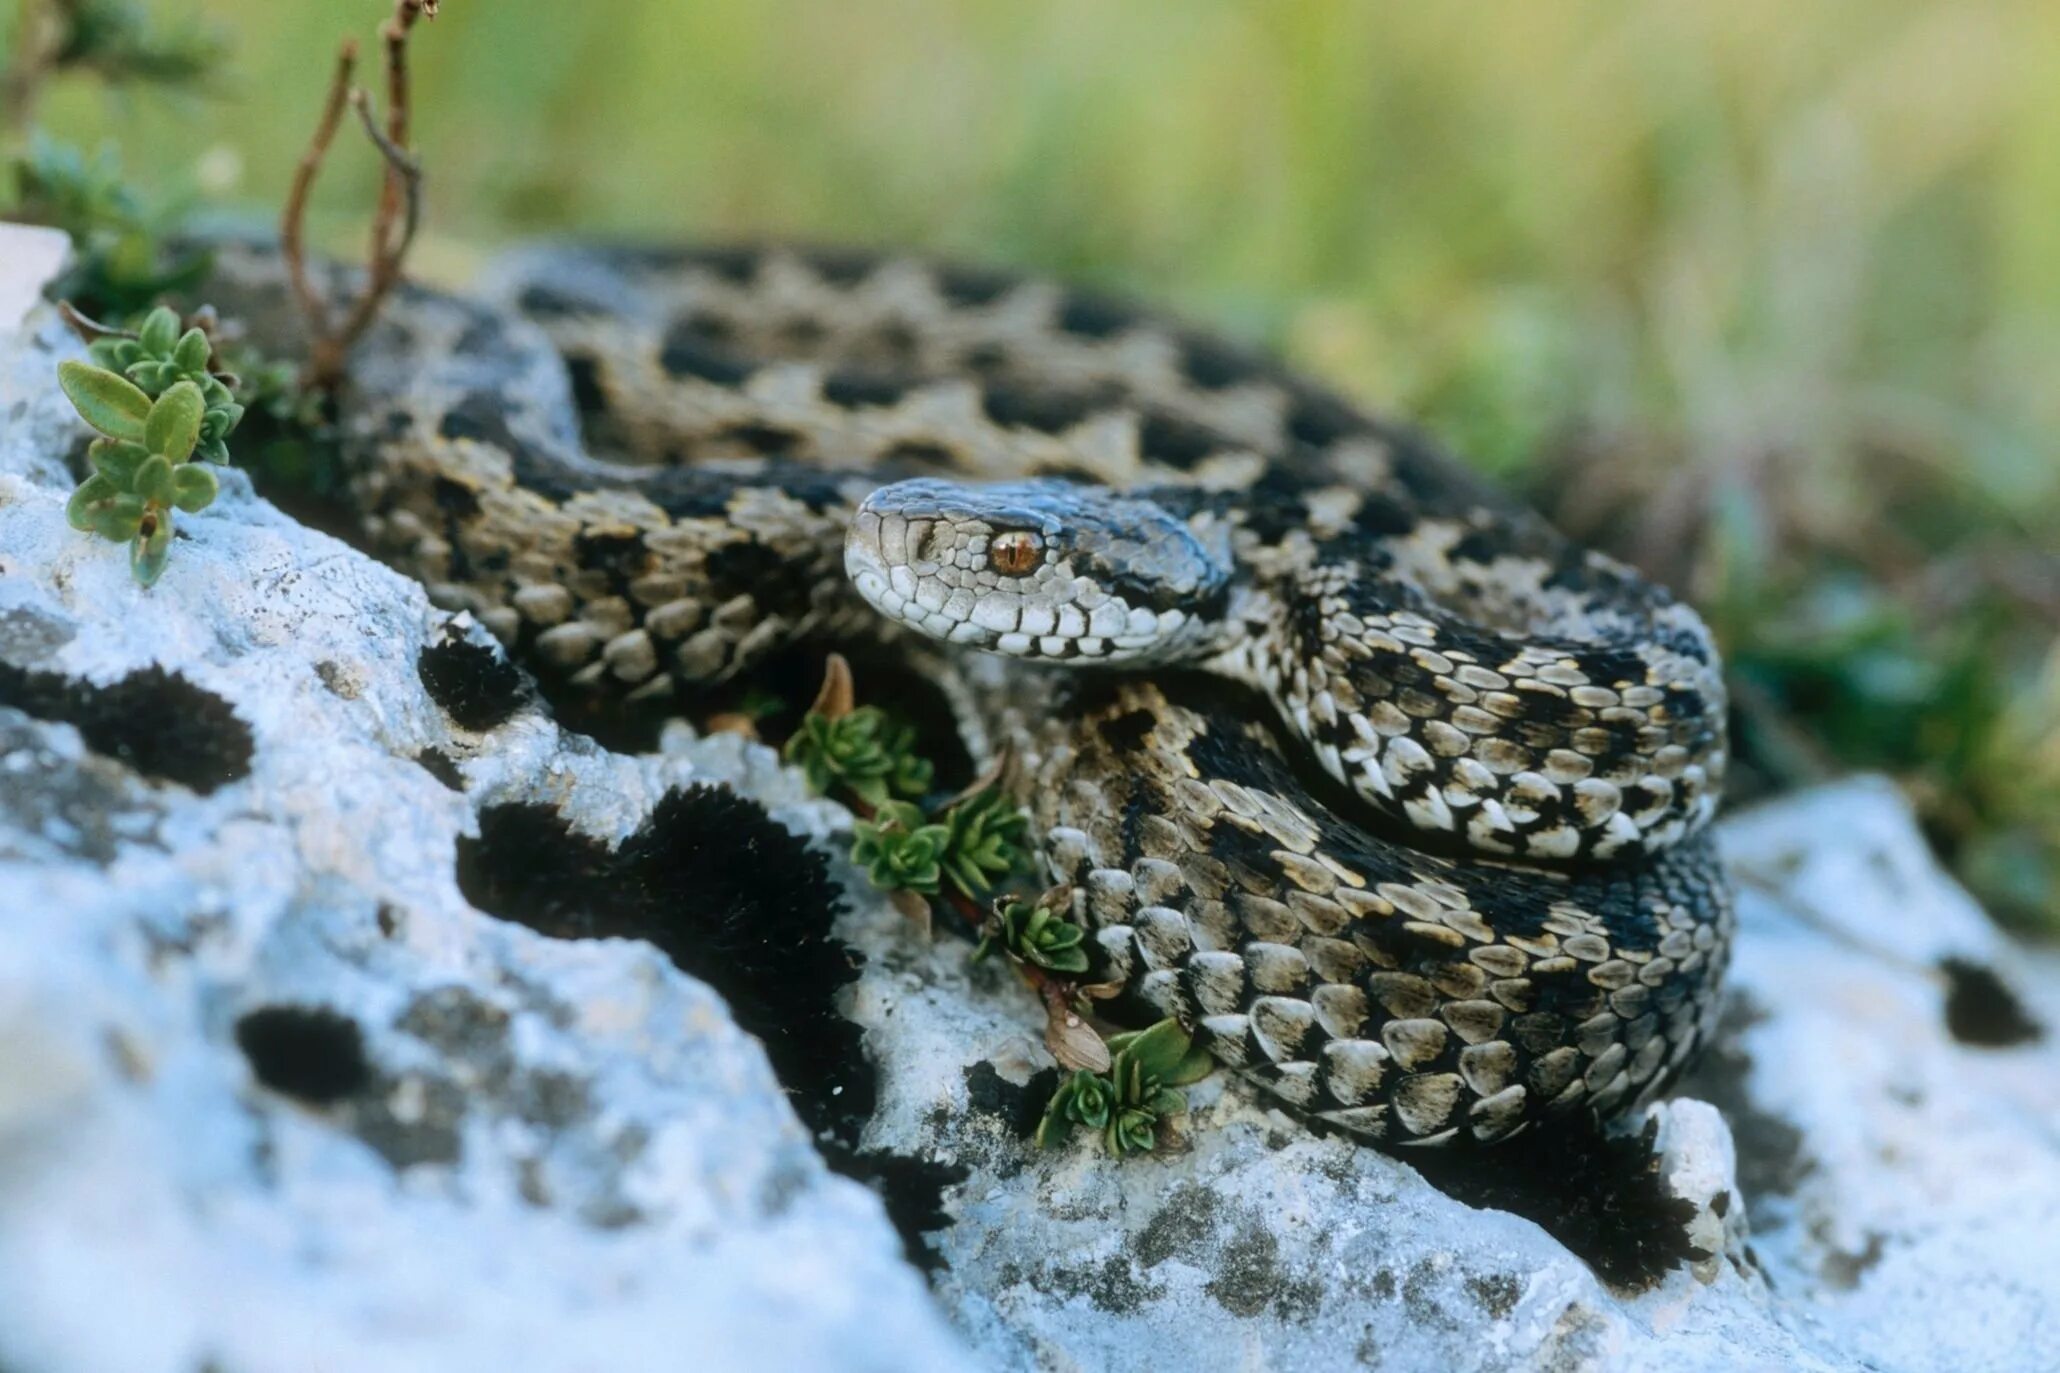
(1765, 296)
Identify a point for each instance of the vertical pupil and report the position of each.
(1014, 553)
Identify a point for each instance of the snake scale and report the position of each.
(1394, 797)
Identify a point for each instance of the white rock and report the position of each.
(29, 256)
(573, 1158)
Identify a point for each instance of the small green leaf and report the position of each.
(192, 352)
(119, 518)
(1198, 1064)
(154, 480)
(173, 425)
(78, 511)
(117, 460)
(1166, 1101)
(160, 331)
(1158, 1052)
(194, 487)
(114, 353)
(105, 401)
(148, 553)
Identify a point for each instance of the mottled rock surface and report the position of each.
(273, 1095)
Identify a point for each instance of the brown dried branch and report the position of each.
(394, 222)
(293, 218)
(86, 327)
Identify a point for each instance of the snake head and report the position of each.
(1037, 569)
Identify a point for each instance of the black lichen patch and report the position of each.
(912, 1189)
(308, 1052)
(474, 685)
(1601, 1196)
(724, 891)
(155, 721)
(1498, 1293)
(1111, 1283)
(1982, 1010)
(1020, 1108)
(442, 767)
(1233, 1243)
(737, 901)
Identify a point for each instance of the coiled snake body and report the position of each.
(1392, 796)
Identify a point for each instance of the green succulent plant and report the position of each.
(143, 467)
(987, 840)
(1083, 1098)
(161, 355)
(1035, 934)
(898, 848)
(1134, 1097)
(864, 752)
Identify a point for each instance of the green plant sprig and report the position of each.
(867, 759)
(1130, 1103)
(163, 417)
(1035, 934)
(863, 753)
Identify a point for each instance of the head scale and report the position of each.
(1037, 569)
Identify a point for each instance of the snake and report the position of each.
(1394, 797)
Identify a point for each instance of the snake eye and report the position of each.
(1015, 552)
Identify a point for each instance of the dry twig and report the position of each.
(394, 222)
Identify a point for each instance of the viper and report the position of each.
(1391, 795)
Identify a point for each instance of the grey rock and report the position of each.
(494, 1149)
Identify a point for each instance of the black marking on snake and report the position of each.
(764, 440)
(845, 267)
(588, 395)
(685, 353)
(485, 336)
(896, 338)
(547, 302)
(1320, 420)
(1177, 442)
(1094, 316)
(1381, 516)
(735, 265)
(455, 499)
(1213, 365)
(1128, 732)
(713, 328)
(986, 359)
(863, 388)
(480, 416)
(621, 557)
(920, 456)
(1049, 412)
(972, 286)
(801, 334)
(774, 582)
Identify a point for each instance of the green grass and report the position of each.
(1763, 295)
